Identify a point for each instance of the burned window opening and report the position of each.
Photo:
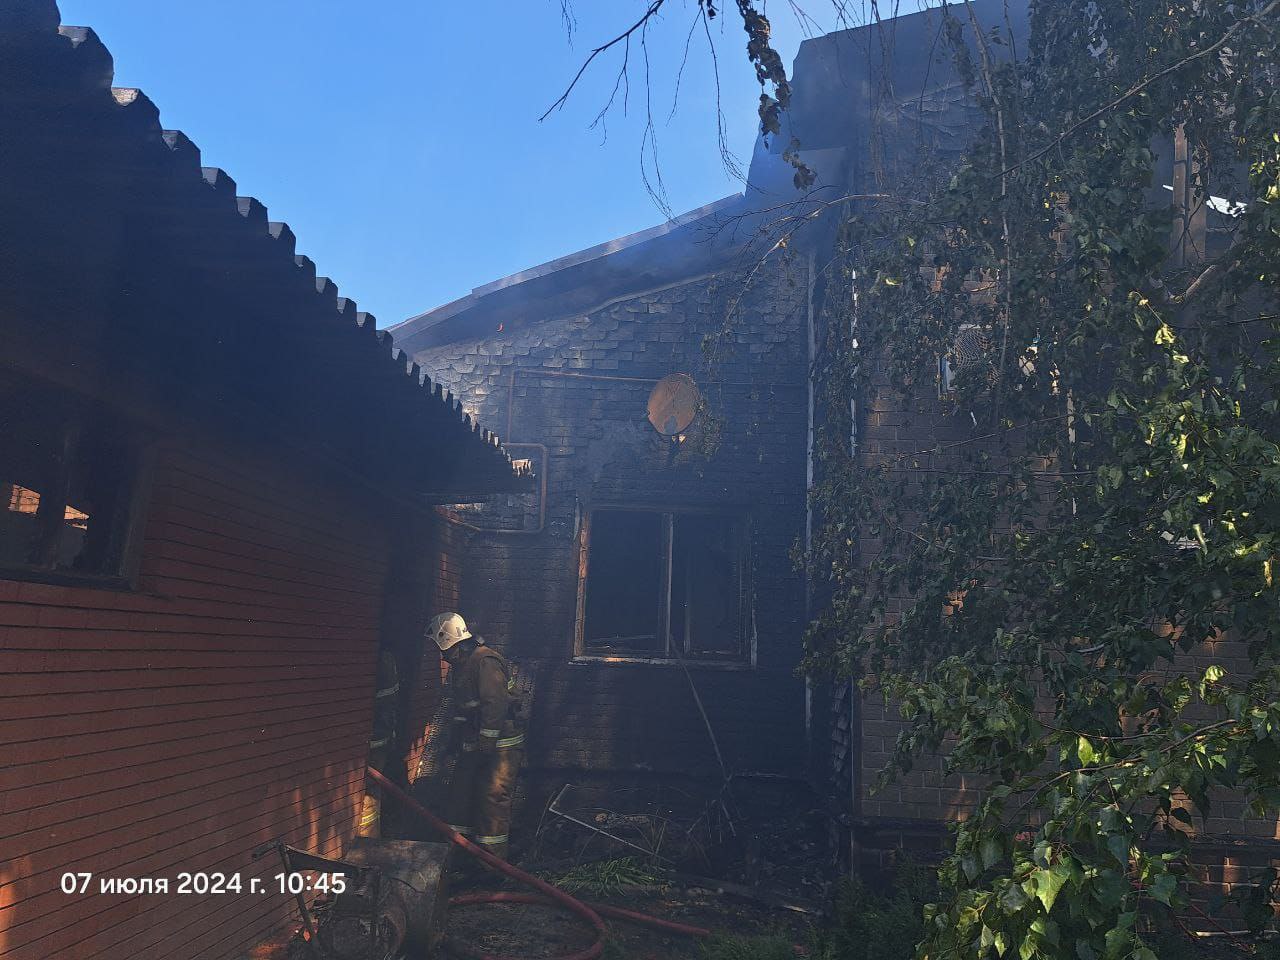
(664, 585)
(68, 478)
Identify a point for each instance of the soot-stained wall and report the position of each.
(574, 390)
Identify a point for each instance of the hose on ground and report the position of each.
(501, 866)
(590, 913)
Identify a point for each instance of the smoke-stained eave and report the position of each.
(58, 109)
(687, 245)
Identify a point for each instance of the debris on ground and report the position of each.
(668, 850)
(608, 877)
(775, 837)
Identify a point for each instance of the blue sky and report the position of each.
(401, 141)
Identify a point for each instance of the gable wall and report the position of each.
(578, 386)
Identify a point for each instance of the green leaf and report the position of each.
(1165, 886)
(1084, 749)
(1013, 899)
(1118, 845)
(1117, 941)
(991, 851)
(1049, 883)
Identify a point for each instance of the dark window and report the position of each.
(624, 586)
(665, 585)
(707, 600)
(67, 482)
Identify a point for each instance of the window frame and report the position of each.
(135, 494)
(744, 659)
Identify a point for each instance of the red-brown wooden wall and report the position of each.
(225, 702)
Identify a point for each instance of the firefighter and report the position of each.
(487, 736)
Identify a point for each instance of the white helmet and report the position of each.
(448, 630)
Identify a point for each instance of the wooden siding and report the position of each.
(225, 702)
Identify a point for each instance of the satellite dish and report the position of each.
(673, 404)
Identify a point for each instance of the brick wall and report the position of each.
(910, 813)
(578, 385)
(225, 702)
(893, 424)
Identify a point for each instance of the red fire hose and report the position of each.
(591, 914)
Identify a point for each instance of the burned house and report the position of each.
(602, 582)
(650, 586)
(216, 482)
(226, 492)
(647, 587)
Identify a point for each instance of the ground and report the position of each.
(747, 860)
(545, 932)
(751, 861)
(743, 861)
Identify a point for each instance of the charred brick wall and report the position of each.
(578, 387)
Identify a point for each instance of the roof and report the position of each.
(896, 73)
(81, 159)
(687, 245)
(442, 313)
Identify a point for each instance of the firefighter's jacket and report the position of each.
(485, 706)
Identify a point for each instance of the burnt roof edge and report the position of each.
(659, 254)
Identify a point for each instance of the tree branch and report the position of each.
(998, 106)
(650, 12)
(1137, 88)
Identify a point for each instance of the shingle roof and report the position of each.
(66, 70)
(407, 330)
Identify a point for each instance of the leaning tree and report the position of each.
(1075, 596)
(1075, 593)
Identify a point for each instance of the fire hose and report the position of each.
(546, 892)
